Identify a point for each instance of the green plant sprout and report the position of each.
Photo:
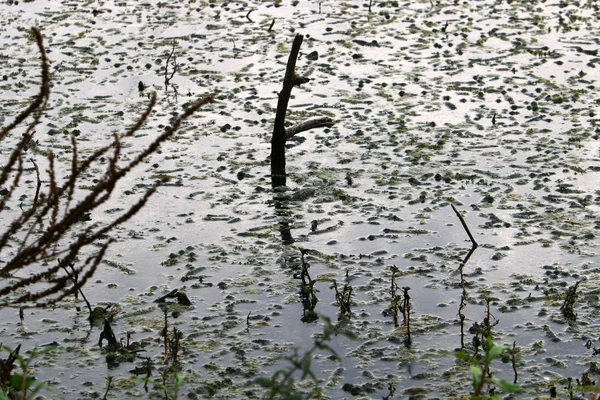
(308, 293)
(169, 389)
(482, 375)
(281, 385)
(22, 386)
(343, 298)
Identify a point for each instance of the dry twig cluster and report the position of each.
(45, 237)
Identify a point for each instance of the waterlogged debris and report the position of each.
(176, 294)
(410, 231)
(313, 56)
(215, 217)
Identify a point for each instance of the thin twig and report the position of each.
(514, 361)
(167, 77)
(39, 183)
(464, 224)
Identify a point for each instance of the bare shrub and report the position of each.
(44, 238)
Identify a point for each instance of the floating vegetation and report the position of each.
(485, 108)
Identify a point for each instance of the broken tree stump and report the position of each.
(280, 134)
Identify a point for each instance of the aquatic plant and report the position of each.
(171, 378)
(47, 228)
(109, 386)
(282, 383)
(569, 303)
(481, 374)
(391, 391)
(308, 293)
(171, 384)
(464, 295)
(400, 303)
(513, 359)
(343, 298)
(482, 331)
(21, 385)
(168, 76)
(405, 308)
(395, 303)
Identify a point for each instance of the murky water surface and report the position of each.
(487, 105)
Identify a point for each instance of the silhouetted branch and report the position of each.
(44, 229)
(464, 295)
(464, 224)
(280, 134)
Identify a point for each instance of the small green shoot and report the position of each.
(23, 385)
(281, 384)
(482, 375)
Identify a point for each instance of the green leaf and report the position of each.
(306, 363)
(349, 334)
(477, 373)
(16, 382)
(508, 387)
(461, 355)
(495, 352)
(264, 382)
(334, 354)
(37, 387)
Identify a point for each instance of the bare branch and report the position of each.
(322, 122)
(54, 210)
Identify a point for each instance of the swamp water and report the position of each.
(487, 105)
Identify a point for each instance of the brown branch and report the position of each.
(75, 278)
(514, 361)
(74, 172)
(38, 185)
(167, 77)
(47, 207)
(53, 199)
(40, 100)
(59, 283)
(464, 224)
(15, 182)
(322, 122)
(279, 134)
(99, 194)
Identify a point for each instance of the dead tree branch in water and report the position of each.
(48, 227)
(280, 134)
(321, 122)
(463, 298)
(169, 77)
